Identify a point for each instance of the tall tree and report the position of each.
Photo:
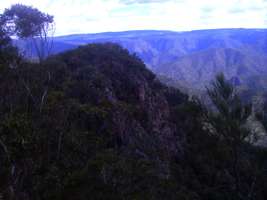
(26, 22)
(229, 121)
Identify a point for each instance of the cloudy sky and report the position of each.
(91, 16)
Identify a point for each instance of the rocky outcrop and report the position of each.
(137, 101)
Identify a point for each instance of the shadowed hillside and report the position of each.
(92, 120)
(94, 123)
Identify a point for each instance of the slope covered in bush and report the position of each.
(94, 123)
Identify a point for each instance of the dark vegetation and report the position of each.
(94, 123)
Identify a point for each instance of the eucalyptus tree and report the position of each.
(28, 23)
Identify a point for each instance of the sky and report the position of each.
(93, 16)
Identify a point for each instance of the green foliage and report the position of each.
(232, 114)
(26, 22)
(81, 125)
(229, 124)
(8, 53)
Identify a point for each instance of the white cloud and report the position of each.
(83, 16)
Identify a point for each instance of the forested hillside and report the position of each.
(95, 123)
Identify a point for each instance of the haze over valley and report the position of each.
(191, 59)
(163, 102)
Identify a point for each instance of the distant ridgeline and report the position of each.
(191, 59)
(94, 123)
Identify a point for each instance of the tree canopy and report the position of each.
(95, 123)
(26, 22)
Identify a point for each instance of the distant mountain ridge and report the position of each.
(191, 58)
